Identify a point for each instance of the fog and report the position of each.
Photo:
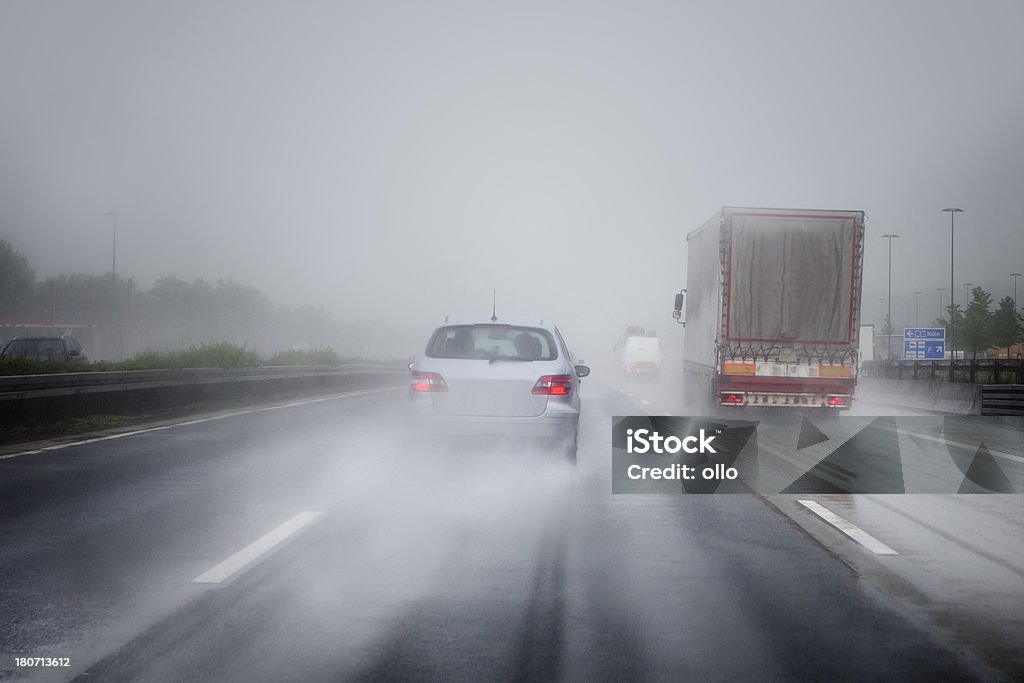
(394, 162)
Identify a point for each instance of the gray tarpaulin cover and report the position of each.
(791, 278)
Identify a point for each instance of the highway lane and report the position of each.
(422, 565)
(101, 539)
(959, 563)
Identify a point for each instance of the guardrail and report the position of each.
(41, 399)
(27, 386)
(979, 371)
(953, 398)
(1002, 399)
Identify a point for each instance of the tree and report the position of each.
(955, 320)
(1006, 325)
(17, 280)
(976, 332)
(887, 328)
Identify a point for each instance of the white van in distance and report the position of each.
(638, 352)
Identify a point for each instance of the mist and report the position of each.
(393, 163)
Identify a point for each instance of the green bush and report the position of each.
(222, 355)
(24, 366)
(326, 356)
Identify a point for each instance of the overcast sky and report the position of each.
(398, 160)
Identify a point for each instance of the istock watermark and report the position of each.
(801, 453)
(644, 440)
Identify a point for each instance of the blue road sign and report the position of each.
(924, 343)
(924, 333)
(924, 349)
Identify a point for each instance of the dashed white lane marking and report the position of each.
(253, 551)
(851, 530)
(236, 413)
(965, 446)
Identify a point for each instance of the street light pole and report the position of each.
(888, 344)
(940, 290)
(113, 215)
(952, 328)
(967, 295)
(1015, 276)
(917, 309)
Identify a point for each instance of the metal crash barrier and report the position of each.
(41, 399)
(1002, 399)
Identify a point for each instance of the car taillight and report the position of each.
(426, 381)
(553, 385)
(729, 398)
(838, 401)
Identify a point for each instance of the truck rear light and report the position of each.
(426, 382)
(837, 401)
(553, 385)
(730, 398)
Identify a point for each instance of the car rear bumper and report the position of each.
(551, 427)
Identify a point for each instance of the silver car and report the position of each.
(498, 379)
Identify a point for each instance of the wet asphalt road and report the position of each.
(423, 565)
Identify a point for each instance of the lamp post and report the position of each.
(113, 216)
(940, 290)
(967, 294)
(952, 328)
(917, 309)
(1015, 276)
(888, 343)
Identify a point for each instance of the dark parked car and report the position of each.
(45, 349)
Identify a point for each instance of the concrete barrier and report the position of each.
(956, 398)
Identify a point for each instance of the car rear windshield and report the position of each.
(492, 342)
(35, 349)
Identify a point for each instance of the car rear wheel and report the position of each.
(569, 448)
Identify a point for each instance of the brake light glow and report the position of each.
(426, 382)
(730, 398)
(838, 401)
(553, 385)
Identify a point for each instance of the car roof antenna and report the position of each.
(494, 305)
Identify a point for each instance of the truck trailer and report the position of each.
(772, 308)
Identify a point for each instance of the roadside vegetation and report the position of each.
(980, 329)
(306, 357)
(113, 318)
(221, 355)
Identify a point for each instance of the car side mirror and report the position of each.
(582, 370)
